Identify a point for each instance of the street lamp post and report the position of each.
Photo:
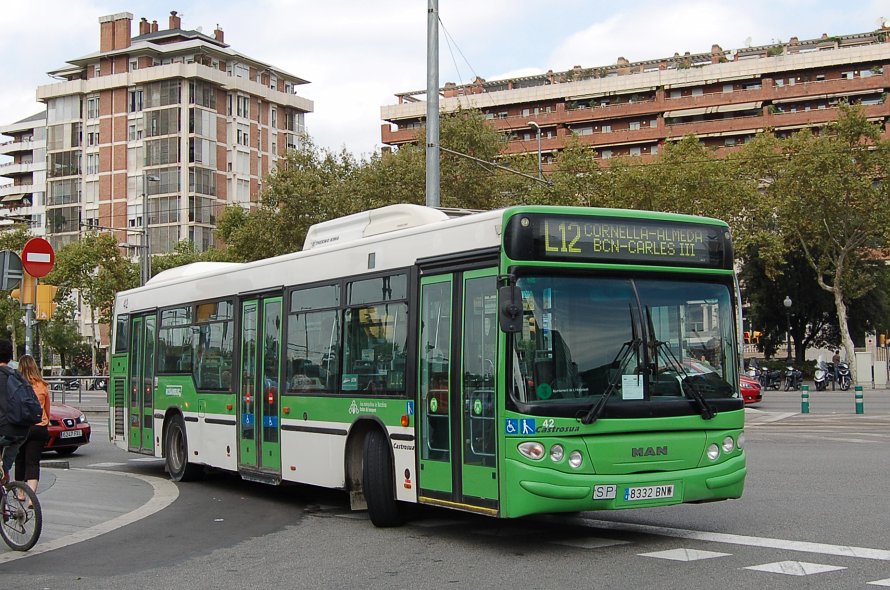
(534, 125)
(787, 304)
(146, 240)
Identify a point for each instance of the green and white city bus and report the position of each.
(527, 360)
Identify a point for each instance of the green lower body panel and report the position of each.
(534, 490)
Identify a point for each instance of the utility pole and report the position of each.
(432, 104)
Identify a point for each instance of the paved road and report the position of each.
(814, 515)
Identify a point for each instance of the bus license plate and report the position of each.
(649, 493)
(69, 434)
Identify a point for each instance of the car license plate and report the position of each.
(649, 493)
(70, 434)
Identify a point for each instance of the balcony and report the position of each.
(13, 169)
(17, 147)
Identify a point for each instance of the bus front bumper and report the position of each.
(534, 490)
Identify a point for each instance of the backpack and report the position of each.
(22, 406)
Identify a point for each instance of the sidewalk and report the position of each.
(79, 504)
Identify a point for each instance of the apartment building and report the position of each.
(635, 108)
(169, 119)
(22, 196)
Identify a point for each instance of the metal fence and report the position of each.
(75, 389)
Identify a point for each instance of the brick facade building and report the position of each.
(634, 109)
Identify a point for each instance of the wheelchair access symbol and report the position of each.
(520, 426)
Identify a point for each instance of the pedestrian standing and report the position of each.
(27, 463)
(11, 435)
(836, 362)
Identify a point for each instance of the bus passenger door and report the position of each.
(141, 368)
(259, 428)
(457, 372)
(435, 384)
(478, 373)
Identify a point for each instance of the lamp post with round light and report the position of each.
(787, 304)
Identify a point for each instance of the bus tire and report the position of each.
(377, 481)
(177, 452)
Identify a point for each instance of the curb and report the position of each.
(54, 464)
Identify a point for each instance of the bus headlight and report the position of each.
(575, 459)
(728, 444)
(713, 452)
(556, 453)
(741, 441)
(532, 450)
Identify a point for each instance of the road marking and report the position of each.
(730, 539)
(880, 583)
(164, 493)
(147, 459)
(684, 554)
(795, 568)
(103, 465)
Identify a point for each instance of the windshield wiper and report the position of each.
(620, 361)
(688, 385)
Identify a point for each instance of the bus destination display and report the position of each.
(611, 239)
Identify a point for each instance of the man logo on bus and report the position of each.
(648, 451)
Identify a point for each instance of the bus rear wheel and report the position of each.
(177, 452)
(377, 481)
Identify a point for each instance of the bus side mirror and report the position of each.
(510, 308)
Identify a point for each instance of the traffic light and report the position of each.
(25, 293)
(46, 304)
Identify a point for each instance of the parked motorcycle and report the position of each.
(793, 377)
(844, 378)
(770, 378)
(823, 375)
(98, 384)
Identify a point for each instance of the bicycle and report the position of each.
(21, 518)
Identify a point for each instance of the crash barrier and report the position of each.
(804, 399)
(65, 389)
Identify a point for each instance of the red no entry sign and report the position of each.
(38, 257)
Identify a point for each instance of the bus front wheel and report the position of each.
(177, 452)
(377, 481)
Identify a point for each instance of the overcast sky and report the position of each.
(358, 53)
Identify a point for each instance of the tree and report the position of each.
(310, 186)
(832, 198)
(61, 334)
(95, 268)
(185, 252)
(813, 322)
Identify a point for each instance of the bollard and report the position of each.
(804, 399)
(860, 409)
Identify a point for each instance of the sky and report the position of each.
(358, 54)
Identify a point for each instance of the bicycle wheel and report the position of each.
(22, 519)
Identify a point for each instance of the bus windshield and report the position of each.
(626, 338)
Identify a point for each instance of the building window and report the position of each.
(606, 154)
(698, 91)
(93, 107)
(634, 125)
(635, 151)
(242, 135)
(607, 129)
(243, 106)
(92, 165)
(134, 65)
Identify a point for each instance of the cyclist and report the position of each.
(11, 436)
